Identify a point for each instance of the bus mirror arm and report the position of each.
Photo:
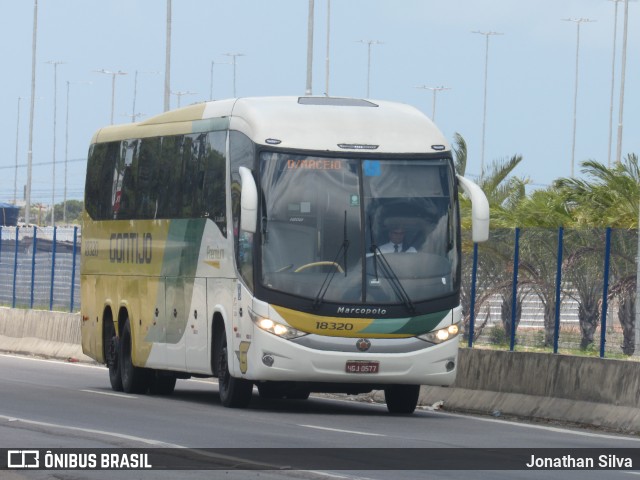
(248, 201)
(479, 209)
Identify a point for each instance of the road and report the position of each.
(53, 404)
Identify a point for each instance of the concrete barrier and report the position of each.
(582, 390)
(41, 333)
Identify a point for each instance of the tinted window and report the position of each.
(177, 176)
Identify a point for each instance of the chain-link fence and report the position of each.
(573, 290)
(40, 268)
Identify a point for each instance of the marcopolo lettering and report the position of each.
(362, 310)
(130, 248)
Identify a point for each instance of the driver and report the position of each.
(396, 242)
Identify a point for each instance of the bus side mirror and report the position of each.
(479, 209)
(248, 201)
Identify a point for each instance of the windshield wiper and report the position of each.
(396, 285)
(329, 276)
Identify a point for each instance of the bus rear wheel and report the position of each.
(134, 379)
(112, 354)
(402, 398)
(234, 392)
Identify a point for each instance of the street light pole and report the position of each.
(622, 79)
(308, 90)
(578, 22)
(369, 43)
(55, 64)
(613, 76)
(211, 76)
(180, 94)
(326, 88)
(134, 115)
(113, 86)
(66, 153)
(434, 90)
(486, 76)
(15, 175)
(167, 63)
(27, 208)
(233, 56)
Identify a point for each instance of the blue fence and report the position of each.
(561, 291)
(40, 268)
(554, 290)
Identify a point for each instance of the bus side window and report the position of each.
(214, 204)
(148, 176)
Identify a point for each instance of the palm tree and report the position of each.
(503, 192)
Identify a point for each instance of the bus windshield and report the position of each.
(355, 230)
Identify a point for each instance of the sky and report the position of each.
(531, 72)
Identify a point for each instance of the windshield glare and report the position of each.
(357, 231)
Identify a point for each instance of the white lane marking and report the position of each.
(544, 427)
(121, 395)
(91, 430)
(55, 361)
(354, 432)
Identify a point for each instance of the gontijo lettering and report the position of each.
(130, 247)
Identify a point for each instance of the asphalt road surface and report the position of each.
(53, 405)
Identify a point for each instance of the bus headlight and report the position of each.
(442, 335)
(278, 329)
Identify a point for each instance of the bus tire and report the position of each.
(112, 354)
(234, 392)
(134, 379)
(162, 383)
(402, 399)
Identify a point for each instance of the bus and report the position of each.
(248, 240)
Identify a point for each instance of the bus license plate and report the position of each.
(362, 366)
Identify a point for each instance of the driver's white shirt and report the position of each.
(390, 248)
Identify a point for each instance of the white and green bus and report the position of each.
(249, 240)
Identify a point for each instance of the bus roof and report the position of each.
(308, 123)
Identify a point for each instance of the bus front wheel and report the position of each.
(234, 392)
(402, 398)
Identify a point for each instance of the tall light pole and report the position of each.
(613, 76)
(233, 56)
(578, 22)
(113, 86)
(326, 88)
(622, 79)
(15, 175)
(55, 64)
(369, 43)
(181, 94)
(486, 77)
(66, 152)
(135, 94)
(27, 208)
(213, 62)
(167, 63)
(434, 90)
(308, 90)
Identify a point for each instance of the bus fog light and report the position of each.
(450, 365)
(268, 360)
